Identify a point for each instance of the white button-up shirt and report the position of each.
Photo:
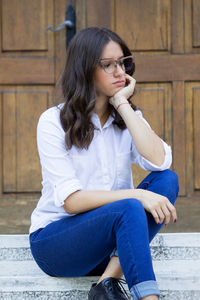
(105, 165)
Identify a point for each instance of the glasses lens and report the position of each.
(128, 63)
(108, 66)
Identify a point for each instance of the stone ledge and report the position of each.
(176, 260)
(165, 246)
(82, 295)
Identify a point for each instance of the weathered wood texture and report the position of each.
(27, 77)
(154, 100)
(164, 36)
(21, 110)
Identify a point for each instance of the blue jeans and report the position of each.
(82, 244)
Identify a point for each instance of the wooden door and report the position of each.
(28, 71)
(164, 36)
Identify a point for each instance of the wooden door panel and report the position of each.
(104, 9)
(145, 25)
(192, 100)
(196, 23)
(9, 142)
(24, 28)
(154, 100)
(21, 110)
(192, 26)
(26, 22)
(196, 114)
(26, 47)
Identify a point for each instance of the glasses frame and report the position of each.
(116, 62)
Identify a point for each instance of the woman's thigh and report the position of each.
(75, 245)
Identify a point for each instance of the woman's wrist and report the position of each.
(117, 102)
(117, 108)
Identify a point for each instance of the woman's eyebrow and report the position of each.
(111, 58)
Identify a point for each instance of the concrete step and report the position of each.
(176, 259)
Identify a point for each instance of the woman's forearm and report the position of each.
(148, 144)
(82, 201)
(158, 205)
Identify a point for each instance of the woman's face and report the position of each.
(109, 84)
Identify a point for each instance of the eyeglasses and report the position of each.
(109, 65)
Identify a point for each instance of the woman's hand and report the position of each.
(124, 93)
(159, 206)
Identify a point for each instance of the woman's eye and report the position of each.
(107, 65)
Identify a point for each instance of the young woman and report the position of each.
(90, 220)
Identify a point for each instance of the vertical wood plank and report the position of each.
(102, 18)
(28, 109)
(179, 152)
(196, 23)
(60, 38)
(80, 14)
(9, 142)
(168, 130)
(177, 26)
(189, 139)
(1, 145)
(155, 102)
(196, 114)
(21, 108)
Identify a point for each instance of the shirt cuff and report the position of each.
(149, 166)
(63, 189)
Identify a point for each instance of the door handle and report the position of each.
(69, 24)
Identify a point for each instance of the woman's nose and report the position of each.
(119, 70)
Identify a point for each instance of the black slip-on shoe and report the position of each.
(108, 289)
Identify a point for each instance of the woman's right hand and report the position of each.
(159, 206)
(124, 93)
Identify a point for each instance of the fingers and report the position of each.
(172, 210)
(155, 215)
(167, 215)
(161, 215)
(163, 211)
(131, 80)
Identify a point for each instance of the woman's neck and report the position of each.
(102, 109)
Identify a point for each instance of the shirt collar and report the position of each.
(97, 123)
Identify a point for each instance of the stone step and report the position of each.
(164, 246)
(176, 260)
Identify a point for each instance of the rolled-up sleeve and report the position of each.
(146, 164)
(58, 172)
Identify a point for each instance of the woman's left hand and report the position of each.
(124, 93)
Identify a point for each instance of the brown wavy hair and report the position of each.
(77, 84)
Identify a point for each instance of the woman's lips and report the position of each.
(119, 83)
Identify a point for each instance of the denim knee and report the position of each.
(172, 180)
(131, 205)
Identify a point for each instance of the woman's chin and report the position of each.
(116, 90)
